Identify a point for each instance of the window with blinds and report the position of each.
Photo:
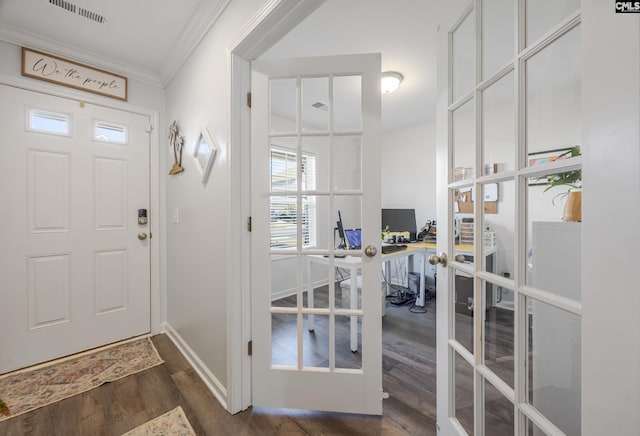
(284, 208)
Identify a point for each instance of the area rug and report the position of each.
(173, 423)
(31, 388)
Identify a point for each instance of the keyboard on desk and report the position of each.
(386, 249)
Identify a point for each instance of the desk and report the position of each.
(353, 264)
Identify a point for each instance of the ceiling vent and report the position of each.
(64, 5)
(320, 105)
(86, 13)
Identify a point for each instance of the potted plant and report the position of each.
(572, 180)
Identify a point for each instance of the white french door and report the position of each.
(75, 261)
(315, 157)
(510, 316)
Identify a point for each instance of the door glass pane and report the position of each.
(498, 333)
(498, 412)
(315, 104)
(284, 339)
(543, 15)
(499, 126)
(348, 285)
(497, 35)
(283, 105)
(284, 285)
(49, 122)
(316, 229)
(347, 162)
(284, 164)
(315, 163)
(463, 58)
(464, 230)
(464, 142)
(553, 246)
(347, 213)
(283, 222)
(553, 95)
(347, 103)
(463, 313)
(345, 327)
(498, 222)
(107, 132)
(463, 377)
(315, 347)
(318, 278)
(532, 429)
(554, 364)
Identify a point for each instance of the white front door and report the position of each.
(316, 161)
(75, 274)
(510, 313)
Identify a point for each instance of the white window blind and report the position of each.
(283, 211)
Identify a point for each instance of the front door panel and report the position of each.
(75, 274)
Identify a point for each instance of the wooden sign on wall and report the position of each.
(53, 69)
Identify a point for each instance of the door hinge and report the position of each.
(249, 224)
(249, 99)
(250, 348)
(148, 127)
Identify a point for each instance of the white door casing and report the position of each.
(76, 276)
(299, 383)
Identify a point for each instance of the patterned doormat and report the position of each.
(173, 423)
(31, 388)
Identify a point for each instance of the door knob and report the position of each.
(142, 236)
(438, 259)
(370, 251)
(459, 258)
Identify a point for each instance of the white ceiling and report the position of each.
(149, 39)
(404, 31)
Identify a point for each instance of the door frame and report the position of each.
(269, 24)
(156, 183)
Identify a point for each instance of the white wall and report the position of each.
(409, 171)
(197, 243)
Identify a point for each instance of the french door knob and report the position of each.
(440, 258)
(142, 236)
(370, 251)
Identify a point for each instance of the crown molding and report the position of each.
(37, 42)
(205, 15)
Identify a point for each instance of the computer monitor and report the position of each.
(354, 238)
(400, 220)
(341, 235)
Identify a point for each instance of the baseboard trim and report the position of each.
(210, 380)
(293, 291)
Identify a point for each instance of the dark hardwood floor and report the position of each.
(409, 362)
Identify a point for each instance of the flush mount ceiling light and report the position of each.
(390, 81)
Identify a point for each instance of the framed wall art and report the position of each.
(204, 153)
(540, 157)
